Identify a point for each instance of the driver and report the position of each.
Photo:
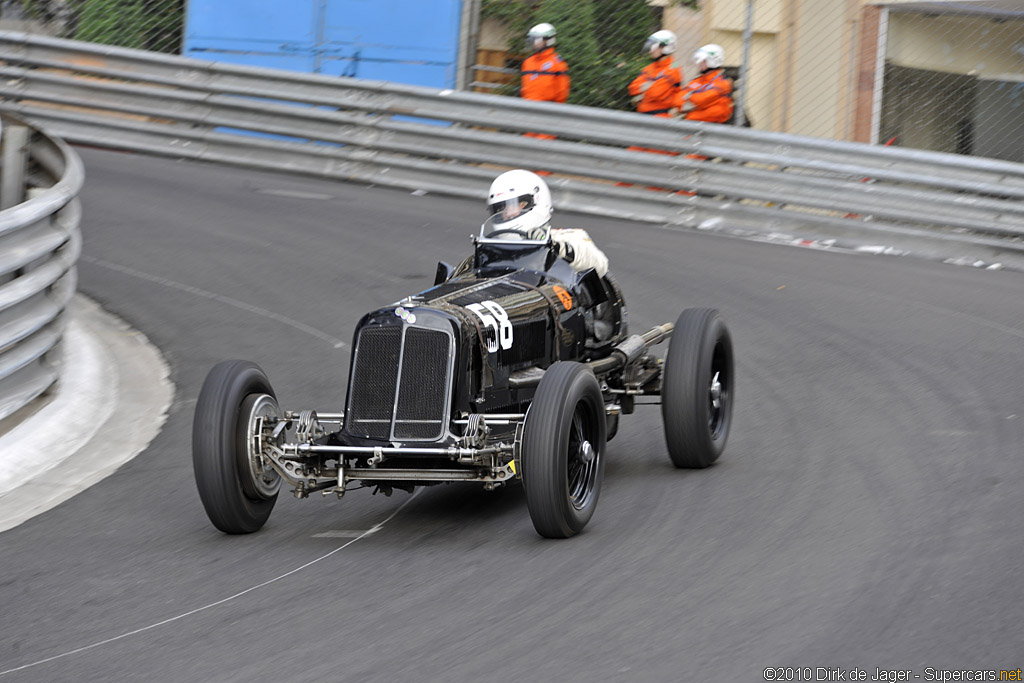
(519, 208)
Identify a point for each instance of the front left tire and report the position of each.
(237, 486)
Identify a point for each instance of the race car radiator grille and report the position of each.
(421, 393)
(372, 397)
(400, 383)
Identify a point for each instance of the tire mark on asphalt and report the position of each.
(369, 532)
(951, 312)
(189, 289)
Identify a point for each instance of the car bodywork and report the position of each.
(474, 344)
(441, 387)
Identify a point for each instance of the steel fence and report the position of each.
(942, 75)
(456, 142)
(39, 245)
(154, 25)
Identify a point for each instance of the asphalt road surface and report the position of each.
(866, 513)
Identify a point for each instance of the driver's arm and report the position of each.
(576, 247)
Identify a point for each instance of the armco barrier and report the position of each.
(456, 142)
(39, 245)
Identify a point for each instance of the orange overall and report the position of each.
(545, 77)
(660, 86)
(711, 97)
(659, 83)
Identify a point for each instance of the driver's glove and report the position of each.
(566, 251)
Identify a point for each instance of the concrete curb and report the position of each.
(111, 401)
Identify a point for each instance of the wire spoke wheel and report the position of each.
(237, 486)
(259, 480)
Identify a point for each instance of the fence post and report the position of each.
(12, 177)
(469, 29)
(748, 31)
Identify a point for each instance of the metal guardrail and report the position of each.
(456, 142)
(39, 245)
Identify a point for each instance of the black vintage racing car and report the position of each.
(514, 366)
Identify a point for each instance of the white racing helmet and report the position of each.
(664, 39)
(711, 55)
(518, 207)
(541, 32)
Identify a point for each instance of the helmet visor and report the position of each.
(509, 209)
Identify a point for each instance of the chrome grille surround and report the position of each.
(400, 385)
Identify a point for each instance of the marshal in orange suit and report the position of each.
(545, 75)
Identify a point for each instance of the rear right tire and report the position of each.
(698, 384)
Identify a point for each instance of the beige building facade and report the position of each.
(944, 74)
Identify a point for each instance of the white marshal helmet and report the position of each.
(518, 207)
(545, 32)
(712, 55)
(664, 39)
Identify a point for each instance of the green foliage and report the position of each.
(626, 25)
(577, 44)
(601, 40)
(143, 24)
(516, 17)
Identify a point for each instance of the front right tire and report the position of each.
(564, 450)
(237, 487)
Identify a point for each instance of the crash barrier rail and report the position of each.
(456, 142)
(39, 244)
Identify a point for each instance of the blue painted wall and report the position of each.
(404, 41)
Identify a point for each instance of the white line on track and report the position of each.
(295, 194)
(302, 327)
(342, 533)
(179, 617)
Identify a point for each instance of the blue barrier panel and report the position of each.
(278, 35)
(401, 41)
(393, 40)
